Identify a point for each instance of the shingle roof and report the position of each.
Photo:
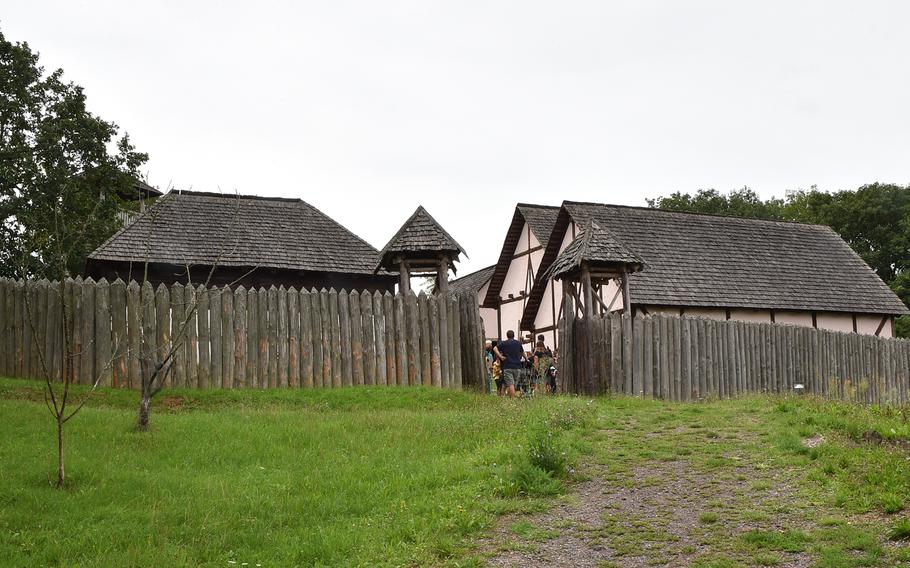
(139, 190)
(472, 282)
(541, 219)
(596, 247)
(421, 233)
(705, 260)
(269, 232)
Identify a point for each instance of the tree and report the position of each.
(59, 166)
(874, 220)
(60, 181)
(738, 203)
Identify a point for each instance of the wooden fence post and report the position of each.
(318, 334)
(253, 339)
(328, 349)
(355, 328)
(344, 329)
(281, 336)
(337, 346)
(104, 356)
(381, 333)
(272, 323)
(305, 326)
(292, 299)
(396, 338)
(414, 360)
(368, 327)
(216, 327)
(241, 339)
(178, 312)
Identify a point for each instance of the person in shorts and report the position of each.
(511, 354)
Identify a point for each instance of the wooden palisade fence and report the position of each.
(239, 338)
(683, 358)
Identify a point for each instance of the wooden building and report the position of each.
(477, 283)
(420, 247)
(255, 241)
(699, 265)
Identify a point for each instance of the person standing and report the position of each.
(512, 355)
(543, 360)
(489, 358)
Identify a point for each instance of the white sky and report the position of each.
(367, 109)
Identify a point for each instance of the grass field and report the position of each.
(363, 476)
(390, 476)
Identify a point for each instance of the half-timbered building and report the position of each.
(698, 265)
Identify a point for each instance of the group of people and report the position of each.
(511, 371)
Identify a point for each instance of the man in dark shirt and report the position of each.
(511, 354)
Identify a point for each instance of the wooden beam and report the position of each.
(443, 275)
(574, 292)
(600, 301)
(526, 252)
(881, 325)
(626, 296)
(405, 277)
(589, 293)
(615, 296)
(520, 297)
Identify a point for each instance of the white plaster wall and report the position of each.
(536, 257)
(835, 322)
(869, 323)
(794, 318)
(488, 315)
(515, 281)
(707, 313)
(753, 316)
(545, 316)
(482, 293)
(607, 292)
(516, 277)
(666, 310)
(526, 240)
(511, 316)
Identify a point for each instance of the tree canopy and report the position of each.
(873, 219)
(62, 170)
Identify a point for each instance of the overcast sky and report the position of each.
(367, 109)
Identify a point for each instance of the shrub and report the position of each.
(533, 481)
(547, 452)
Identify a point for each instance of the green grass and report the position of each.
(395, 476)
(365, 476)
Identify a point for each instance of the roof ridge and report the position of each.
(537, 205)
(181, 192)
(473, 273)
(693, 213)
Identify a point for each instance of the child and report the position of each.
(543, 360)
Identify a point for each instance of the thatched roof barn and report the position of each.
(256, 241)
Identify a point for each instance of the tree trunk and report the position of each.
(145, 407)
(61, 473)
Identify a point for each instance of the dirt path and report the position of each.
(661, 513)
